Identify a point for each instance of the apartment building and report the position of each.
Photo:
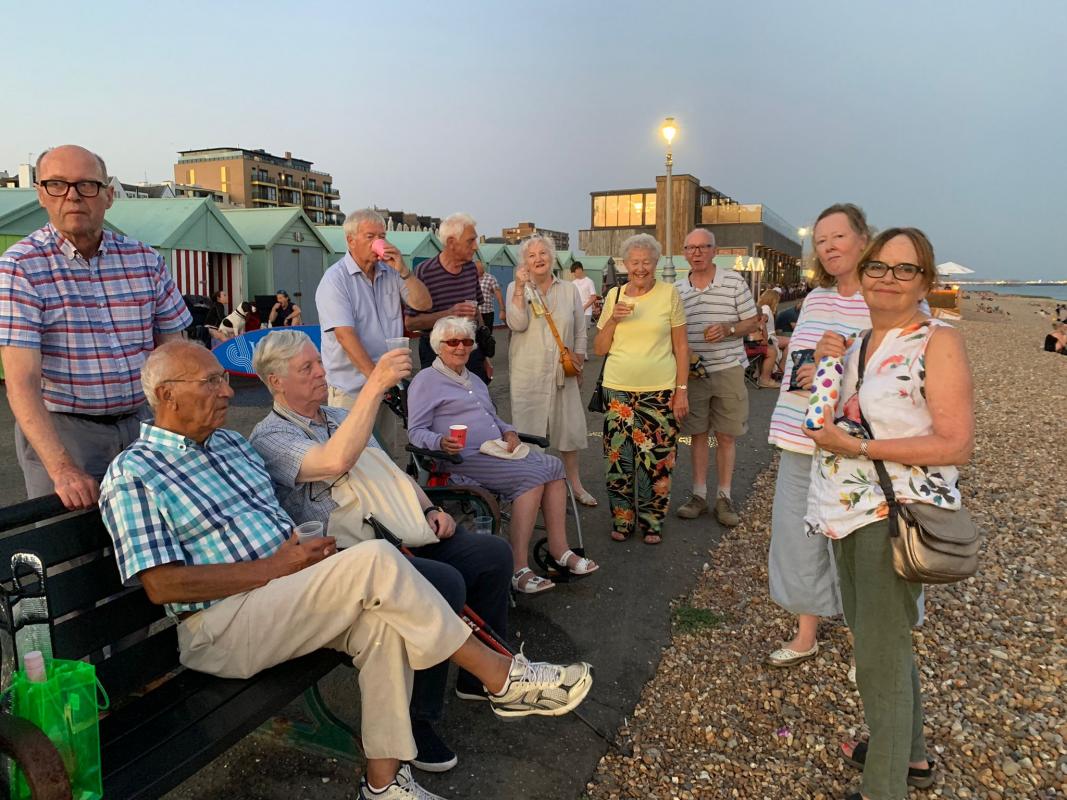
(524, 230)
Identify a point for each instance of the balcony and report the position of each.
(263, 180)
(333, 194)
(314, 190)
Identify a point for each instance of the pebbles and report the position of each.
(716, 723)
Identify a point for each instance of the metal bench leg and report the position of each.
(325, 734)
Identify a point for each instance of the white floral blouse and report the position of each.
(845, 494)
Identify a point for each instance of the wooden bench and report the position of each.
(165, 722)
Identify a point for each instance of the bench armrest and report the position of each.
(529, 438)
(25, 744)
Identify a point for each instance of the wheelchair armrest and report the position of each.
(34, 753)
(529, 438)
(440, 455)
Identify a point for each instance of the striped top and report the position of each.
(93, 321)
(823, 310)
(167, 499)
(447, 289)
(725, 300)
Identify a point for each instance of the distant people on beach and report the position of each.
(1056, 341)
(1061, 312)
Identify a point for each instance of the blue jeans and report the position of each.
(467, 569)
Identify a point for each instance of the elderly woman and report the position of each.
(915, 400)
(545, 401)
(642, 333)
(448, 394)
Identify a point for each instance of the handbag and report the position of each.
(597, 402)
(930, 544)
(566, 358)
(485, 341)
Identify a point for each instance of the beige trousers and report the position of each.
(388, 430)
(366, 601)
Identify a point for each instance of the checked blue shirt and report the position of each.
(167, 499)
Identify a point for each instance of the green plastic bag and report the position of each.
(65, 707)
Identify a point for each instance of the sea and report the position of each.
(1056, 291)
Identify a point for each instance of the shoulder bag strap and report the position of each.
(551, 322)
(879, 466)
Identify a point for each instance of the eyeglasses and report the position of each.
(902, 272)
(211, 381)
(458, 342)
(692, 248)
(58, 188)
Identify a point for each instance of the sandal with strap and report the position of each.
(584, 498)
(526, 581)
(583, 566)
(917, 777)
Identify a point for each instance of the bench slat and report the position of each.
(84, 585)
(138, 665)
(95, 628)
(58, 542)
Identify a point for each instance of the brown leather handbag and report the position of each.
(566, 357)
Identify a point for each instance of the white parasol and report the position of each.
(952, 268)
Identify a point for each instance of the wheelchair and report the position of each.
(430, 470)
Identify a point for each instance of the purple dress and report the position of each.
(437, 400)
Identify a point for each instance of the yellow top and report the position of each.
(641, 358)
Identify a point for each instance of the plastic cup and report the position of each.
(397, 343)
(483, 525)
(459, 432)
(378, 246)
(308, 530)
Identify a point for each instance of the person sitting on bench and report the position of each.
(193, 516)
(310, 448)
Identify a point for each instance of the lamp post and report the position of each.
(669, 130)
(802, 232)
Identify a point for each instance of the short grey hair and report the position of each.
(447, 325)
(454, 225)
(537, 238)
(159, 367)
(99, 161)
(711, 235)
(353, 220)
(275, 351)
(641, 241)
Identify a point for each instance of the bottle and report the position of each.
(533, 297)
(34, 665)
(824, 393)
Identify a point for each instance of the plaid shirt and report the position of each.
(93, 321)
(167, 499)
(490, 286)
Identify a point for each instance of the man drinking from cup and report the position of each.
(360, 300)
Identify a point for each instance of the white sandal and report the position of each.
(584, 566)
(525, 581)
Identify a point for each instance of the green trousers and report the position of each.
(881, 610)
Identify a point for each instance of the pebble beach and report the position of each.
(715, 722)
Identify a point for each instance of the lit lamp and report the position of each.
(669, 130)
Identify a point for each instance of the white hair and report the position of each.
(159, 367)
(641, 241)
(711, 235)
(453, 225)
(537, 238)
(448, 325)
(353, 220)
(275, 351)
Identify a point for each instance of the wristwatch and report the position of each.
(733, 329)
(682, 386)
(426, 511)
(407, 275)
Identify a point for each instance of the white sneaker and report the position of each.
(536, 687)
(403, 787)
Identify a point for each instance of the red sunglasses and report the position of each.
(458, 342)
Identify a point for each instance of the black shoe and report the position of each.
(434, 755)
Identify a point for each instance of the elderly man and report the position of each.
(80, 308)
(194, 518)
(307, 444)
(360, 301)
(452, 280)
(719, 313)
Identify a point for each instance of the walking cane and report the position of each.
(481, 629)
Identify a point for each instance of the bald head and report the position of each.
(66, 152)
(175, 359)
(187, 388)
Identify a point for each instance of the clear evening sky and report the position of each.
(951, 116)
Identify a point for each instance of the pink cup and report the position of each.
(378, 246)
(459, 432)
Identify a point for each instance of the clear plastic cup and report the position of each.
(483, 525)
(397, 343)
(308, 530)
(459, 432)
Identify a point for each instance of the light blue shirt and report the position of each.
(346, 297)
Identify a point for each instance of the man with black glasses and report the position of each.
(80, 309)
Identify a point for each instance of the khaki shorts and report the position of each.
(718, 403)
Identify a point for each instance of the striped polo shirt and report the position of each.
(725, 300)
(168, 500)
(823, 310)
(93, 321)
(447, 289)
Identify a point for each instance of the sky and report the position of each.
(950, 116)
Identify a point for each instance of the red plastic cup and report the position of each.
(378, 246)
(459, 432)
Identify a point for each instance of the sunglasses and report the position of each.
(458, 342)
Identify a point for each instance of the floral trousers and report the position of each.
(640, 439)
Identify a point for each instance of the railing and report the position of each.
(263, 179)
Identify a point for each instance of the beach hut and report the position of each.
(498, 259)
(21, 215)
(202, 250)
(335, 236)
(414, 246)
(288, 252)
(564, 259)
(595, 267)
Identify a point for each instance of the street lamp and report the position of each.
(669, 130)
